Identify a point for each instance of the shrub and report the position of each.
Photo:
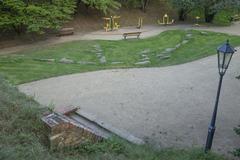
(223, 18)
(237, 151)
(29, 16)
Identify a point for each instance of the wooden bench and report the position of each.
(66, 32)
(125, 35)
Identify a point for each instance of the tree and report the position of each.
(209, 7)
(184, 7)
(106, 6)
(34, 16)
(144, 4)
(212, 7)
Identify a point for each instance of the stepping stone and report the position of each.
(98, 48)
(66, 61)
(160, 55)
(170, 49)
(178, 45)
(189, 35)
(85, 62)
(44, 60)
(145, 59)
(99, 55)
(117, 63)
(145, 51)
(165, 57)
(185, 41)
(103, 60)
(142, 63)
(164, 52)
(204, 33)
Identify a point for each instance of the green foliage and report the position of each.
(113, 146)
(131, 3)
(20, 126)
(213, 7)
(222, 18)
(237, 151)
(184, 7)
(34, 17)
(210, 8)
(106, 6)
(143, 4)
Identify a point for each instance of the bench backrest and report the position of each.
(132, 33)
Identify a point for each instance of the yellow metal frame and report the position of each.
(165, 20)
(111, 23)
(140, 23)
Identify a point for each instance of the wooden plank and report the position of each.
(125, 35)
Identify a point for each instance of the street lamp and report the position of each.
(225, 53)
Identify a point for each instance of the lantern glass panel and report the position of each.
(224, 59)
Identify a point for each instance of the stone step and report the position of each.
(95, 128)
(103, 129)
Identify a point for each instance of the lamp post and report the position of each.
(225, 53)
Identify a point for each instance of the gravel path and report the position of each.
(167, 107)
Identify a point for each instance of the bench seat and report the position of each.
(137, 34)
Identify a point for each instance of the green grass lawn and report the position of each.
(23, 67)
(21, 137)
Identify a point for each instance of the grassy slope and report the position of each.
(21, 135)
(22, 67)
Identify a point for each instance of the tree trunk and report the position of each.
(144, 5)
(78, 6)
(182, 15)
(209, 15)
(18, 29)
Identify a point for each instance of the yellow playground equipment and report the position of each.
(165, 20)
(197, 21)
(107, 22)
(140, 23)
(111, 23)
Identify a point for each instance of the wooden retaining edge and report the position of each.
(67, 119)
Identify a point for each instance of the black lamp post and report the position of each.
(225, 53)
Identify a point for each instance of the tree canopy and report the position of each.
(39, 15)
(209, 7)
(34, 16)
(106, 6)
(183, 7)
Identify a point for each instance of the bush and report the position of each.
(223, 18)
(237, 151)
(105, 6)
(31, 16)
